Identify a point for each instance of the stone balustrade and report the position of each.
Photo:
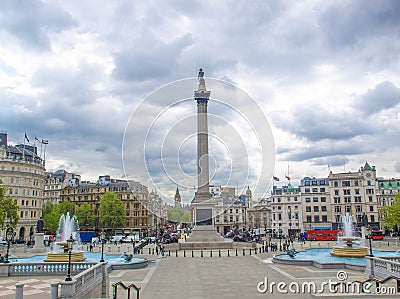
(381, 268)
(42, 268)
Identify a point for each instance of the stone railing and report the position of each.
(382, 267)
(93, 283)
(42, 268)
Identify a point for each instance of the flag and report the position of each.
(26, 137)
(287, 177)
(45, 141)
(36, 139)
(276, 179)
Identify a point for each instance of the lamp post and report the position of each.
(102, 239)
(370, 245)
(70, 243)
(280, 239)
(9, 236)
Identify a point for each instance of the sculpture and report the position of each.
(39, 225)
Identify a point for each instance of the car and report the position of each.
(2, 241)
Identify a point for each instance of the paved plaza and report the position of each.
(196, 277)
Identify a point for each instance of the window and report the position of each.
(348, 209)
(315, 199)
(357, 198)
(316, 218)
(346, 184)
(357, 191)
(321, 189)
(336, 192)
(372, 218)
(308, 199)
(347, 199)
(316, 209)
(308, 209)
(309, 219)
(346, 191)
(336, 199)
(314, 189)
(323, 199)
(324, 218)
(323, 208)
(338, 209)
(358, 209)
(371, 208)
(335, 184)
(356, 183)
(370, 198)
(369, 183)
(307, 190)
(279, 216)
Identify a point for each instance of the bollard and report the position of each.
(210, 253)
(319, 244)
(250, 251)
(228, 253)
(169, 252)
(192, 253)
(236, 252)
(244, 252)
(149, 250)
(388, 243)
(184, 253)
(19, 291)
(153, 251)
(201, 253)
(219, 253)
(176, 253)
(53, 290)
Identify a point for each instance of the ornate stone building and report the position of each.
(133, 194)
(55, 182)
(22, 172)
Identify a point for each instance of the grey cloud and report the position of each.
(31, 22)
(385, 95)
(397, 167)
(316, 123)
(330, 160)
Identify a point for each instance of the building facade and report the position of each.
(55, 182)
(133, 194)
(22, 172)
(315, 202)
(354, 193)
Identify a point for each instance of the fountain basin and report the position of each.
(76, 256)
(349, 251)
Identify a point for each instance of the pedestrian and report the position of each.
(157, 249)
(91, 247)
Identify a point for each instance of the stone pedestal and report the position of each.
(39, 243)
(205, 237)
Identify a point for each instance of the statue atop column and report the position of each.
(202, 82)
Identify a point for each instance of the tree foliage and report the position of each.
(8, 210)
(52, 212)
(112, 210)
(175, 214)
(391, 214)
(85, 215)
(186, 217)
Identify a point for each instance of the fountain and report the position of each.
(348, 244)
(67, 226)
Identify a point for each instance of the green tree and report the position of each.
(8, 210)
(174, 214)
(51, 216)
(85, 215)
(112, 210)
(391, 214)
(66, 206)
(186, 217)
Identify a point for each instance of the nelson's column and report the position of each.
(202, 204)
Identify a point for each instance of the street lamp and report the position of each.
(70, 243)
(102, 239)
(9, 236)
(370, 245)
(280, 239)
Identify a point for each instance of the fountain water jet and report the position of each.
(67, 226)
(349, 245)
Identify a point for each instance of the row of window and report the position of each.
(314, 190)
(317, 218)
(316, 199)
(25, 214)
(28, 192)
(347, 209)
(316, 209)
(347, 183)
(18, 169)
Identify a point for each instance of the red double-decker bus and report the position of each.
(377, 234)
(323, 235)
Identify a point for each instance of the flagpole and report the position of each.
(41, 144)
(23, 149)
(44, 154)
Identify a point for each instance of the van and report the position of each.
(117, 238)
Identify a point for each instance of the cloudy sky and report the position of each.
(325, 73)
